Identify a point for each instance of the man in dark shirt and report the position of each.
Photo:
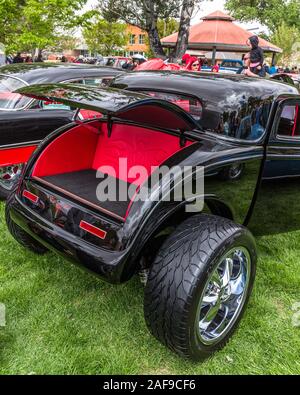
(256, 57)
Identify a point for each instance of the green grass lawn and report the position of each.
(61, 320)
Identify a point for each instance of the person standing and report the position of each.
(256, 57)
(215, 68)
(39, 59)
(273, 69)
(18, 58)
(245, 70)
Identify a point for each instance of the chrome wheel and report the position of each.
(9, 176)
(224, 296)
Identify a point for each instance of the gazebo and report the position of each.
(218, 32)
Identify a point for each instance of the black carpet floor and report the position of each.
(84, 185)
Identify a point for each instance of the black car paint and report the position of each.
(32, 125)
(115, 259)
(116, 104)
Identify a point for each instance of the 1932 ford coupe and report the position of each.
(198, 267)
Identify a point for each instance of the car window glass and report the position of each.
(9, 100)
(49, 105)
(289, 122)
(76, 82)
(191, 105)
(93, 81)
(35, 105)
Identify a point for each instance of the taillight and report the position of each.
(93, 230)
(30, 196)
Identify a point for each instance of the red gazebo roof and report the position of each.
(219, 30)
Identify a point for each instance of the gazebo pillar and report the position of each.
(214, 54)
(273, 58)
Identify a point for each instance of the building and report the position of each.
(137, 44)
(138, 41)
(218, 33)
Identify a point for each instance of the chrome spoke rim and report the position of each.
(224, 296)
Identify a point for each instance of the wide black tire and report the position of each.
(179, 276)
(18, 233)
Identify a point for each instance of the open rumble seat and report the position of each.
(77, 161)
(115, 148)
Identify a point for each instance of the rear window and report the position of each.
(191, 105)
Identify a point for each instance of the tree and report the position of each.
(31, 24)
(286, 37)
(65, 42)
(188, 7)
(146, 15)
(168, 26)
(270, 13)
(10, 14)
(105, 37)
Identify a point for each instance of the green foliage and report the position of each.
(65, 42)
(168, 26)
(30, 24)
(139, 12)
(105, 37)
(146, 15)
(268, 12)
(10, 12)
(287, 37)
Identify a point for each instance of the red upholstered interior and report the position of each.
(89, 147)
(138, 146)
(72, 151)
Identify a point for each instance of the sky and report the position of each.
(206, 8)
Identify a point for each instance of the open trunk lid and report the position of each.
(114, 103)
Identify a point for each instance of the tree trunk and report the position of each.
(184, 29)
(152, 30)
(155, 43)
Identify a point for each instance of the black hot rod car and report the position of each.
(25, 122)
(198, 267)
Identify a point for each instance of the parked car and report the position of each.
(286, 78)
(231, 66)
(198, 266)
(113, 61)
(25, 122)
(293, 79)
(228, 66)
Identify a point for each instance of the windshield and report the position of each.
(10, 101)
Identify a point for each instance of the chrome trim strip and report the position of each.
(20, 145)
